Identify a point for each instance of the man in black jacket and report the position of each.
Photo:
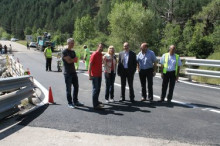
(127, 65)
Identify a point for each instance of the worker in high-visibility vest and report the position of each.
(78, 55)
(48, 57)
(86, 56)
(170, 67)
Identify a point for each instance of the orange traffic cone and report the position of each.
(27, 72)
(50, 96)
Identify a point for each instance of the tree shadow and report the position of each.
(22, 120)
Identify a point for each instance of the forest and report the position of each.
(192, 25)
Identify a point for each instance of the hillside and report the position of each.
(159, 22)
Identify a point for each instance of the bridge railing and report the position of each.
(202, 62)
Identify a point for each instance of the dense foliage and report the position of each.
(192, 25)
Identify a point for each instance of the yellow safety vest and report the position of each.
(165, 67)
(48, 53)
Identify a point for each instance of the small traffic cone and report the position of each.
(50, 96)
(27, 72)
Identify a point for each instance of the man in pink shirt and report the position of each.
(95, 74)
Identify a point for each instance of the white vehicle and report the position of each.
(14, 39)
(33, 44)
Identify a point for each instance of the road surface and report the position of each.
(193, 117)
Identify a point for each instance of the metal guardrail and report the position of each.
(13, 83)
(19, 88)
(202, 62)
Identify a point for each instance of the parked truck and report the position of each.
(43, 41)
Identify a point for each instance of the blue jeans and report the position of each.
(96, 85)
(71, 79)
(109, 81)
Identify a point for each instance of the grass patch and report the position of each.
(23, 42)
(216, 81)
(208, 80)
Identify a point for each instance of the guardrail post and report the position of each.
(189, 76)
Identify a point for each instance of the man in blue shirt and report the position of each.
(170, 67)
(147, 65)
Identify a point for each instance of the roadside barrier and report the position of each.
(12, 91)
(202, 62)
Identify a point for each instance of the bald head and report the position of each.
(144, 47)
(172, 49)
(126, 46)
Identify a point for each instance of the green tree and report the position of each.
(4, 34)
(84, 29)
(130, 22)
(101, 20)
(200, 46)
(214, 37)
(172, 36)
(187, 37)
(27, 31)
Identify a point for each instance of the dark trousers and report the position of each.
(71, 79)
(109, 81)
(143, 75)
(168, 78)
(130, 77)
(96, 85)
(48, 63)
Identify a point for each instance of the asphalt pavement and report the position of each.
(193, 117)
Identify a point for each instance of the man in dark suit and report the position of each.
(127, 65)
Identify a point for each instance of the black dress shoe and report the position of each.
(151, 100)
(132, 101)
(168, 101)
(99, 107)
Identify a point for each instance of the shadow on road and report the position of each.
(205, 106)
(117, 107)
(21, 120)
(170, 105)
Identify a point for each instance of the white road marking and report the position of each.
(194, 84)
(216, 111)
(175, 101)
(199, 85)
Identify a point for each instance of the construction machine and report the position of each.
(43, 41)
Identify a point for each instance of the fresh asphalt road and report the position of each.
(193, 117)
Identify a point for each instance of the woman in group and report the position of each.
(110, 63)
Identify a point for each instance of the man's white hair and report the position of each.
(70, 40)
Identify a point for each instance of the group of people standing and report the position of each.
(48, 57)
(4, 49)
(125, 66)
